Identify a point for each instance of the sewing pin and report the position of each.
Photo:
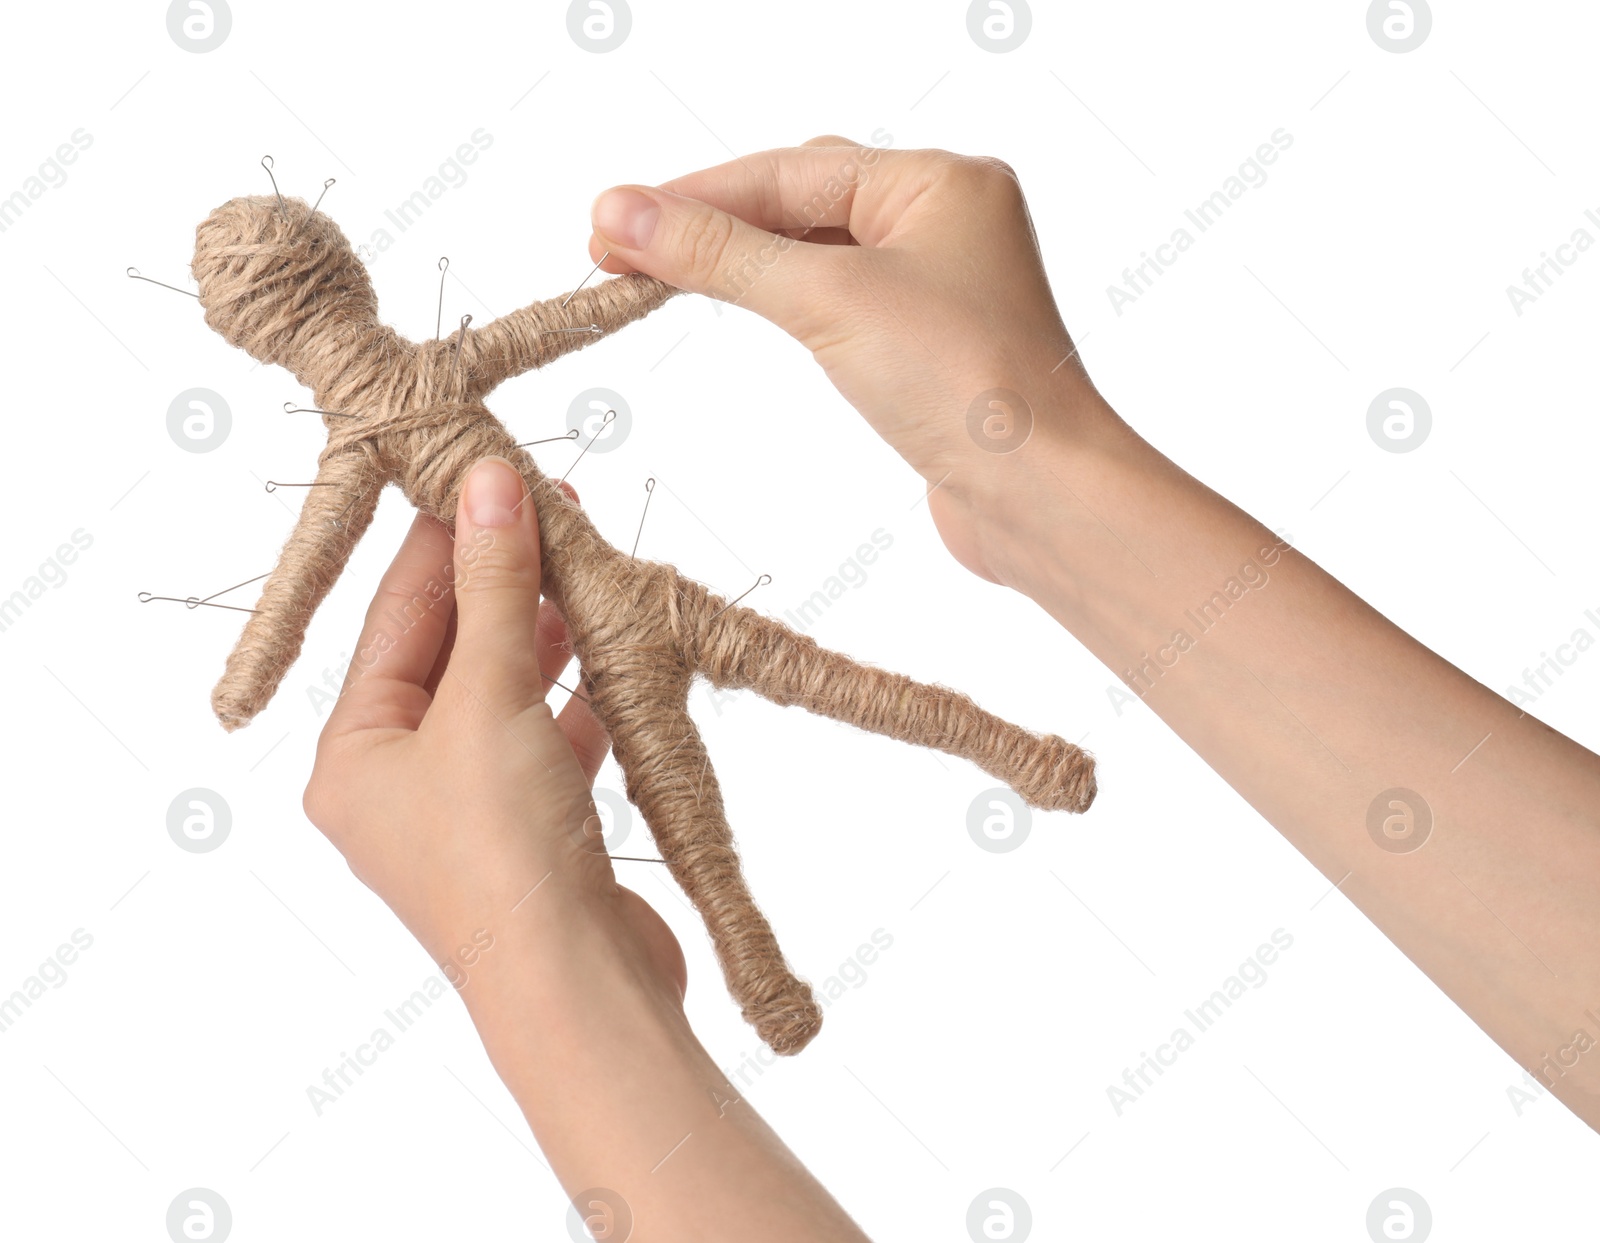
(760, 582)
(438, 320)
(290, 408)
(273, 485)
(548, 440)
(585, 280)
(266, 163)
(133, 273)
(461, 340)
(194, 602)
(565, 687)
(649, 491)
(604, 423)
(326, 186)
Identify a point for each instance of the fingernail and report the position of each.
(626, 217)
(493, 493)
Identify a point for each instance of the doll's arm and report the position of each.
(528, 339)
(331, 523)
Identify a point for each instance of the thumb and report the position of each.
(700, 248)
(497, 589)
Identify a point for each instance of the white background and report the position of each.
(978, 1051)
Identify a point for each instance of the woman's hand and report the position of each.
(442, 776)
(459, 798)
(918, 286)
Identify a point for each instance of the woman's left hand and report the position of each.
(442, 775)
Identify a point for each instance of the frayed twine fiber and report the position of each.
(284, 285)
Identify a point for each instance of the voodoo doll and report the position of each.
(280, 280)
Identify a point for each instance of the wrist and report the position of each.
(566, 959)
(1025, 512)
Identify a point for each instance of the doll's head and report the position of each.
(282, 283)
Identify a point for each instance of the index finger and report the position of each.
(405, 626)
(858, 188)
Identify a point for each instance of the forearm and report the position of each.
(620, 1094)
(1312, 705)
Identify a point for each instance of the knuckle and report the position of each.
(493, 562)
(396, 610)
(500, 579)
(830, 319)
(358, 873)
(705, 241)
(593, 752)
(316, 802)
(996, 167)
(982, 177)
(497, 575)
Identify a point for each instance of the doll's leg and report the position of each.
(669, 778)
(741, 648)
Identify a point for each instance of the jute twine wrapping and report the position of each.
(287, 288)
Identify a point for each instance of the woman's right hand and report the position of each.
(913, 277)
